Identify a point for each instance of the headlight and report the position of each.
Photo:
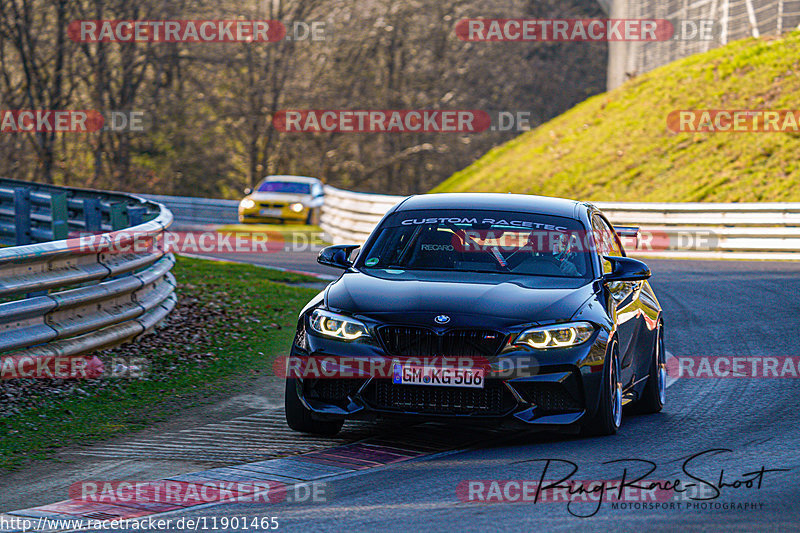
(556, 336)
(247, 203)
(338, 326)
(296, 207)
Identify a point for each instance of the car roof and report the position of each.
(296, 179)
(525, 203)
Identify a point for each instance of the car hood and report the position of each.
(491, 300)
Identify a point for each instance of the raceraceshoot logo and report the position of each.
(485, 221)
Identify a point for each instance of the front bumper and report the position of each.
(552, 388)
(254, 215)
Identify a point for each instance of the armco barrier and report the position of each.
(348, 217)
(197, 211)
(60, 300)
(733, 231)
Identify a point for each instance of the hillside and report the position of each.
(616, 146)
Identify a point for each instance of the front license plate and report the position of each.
(436, 376)
(271, 212)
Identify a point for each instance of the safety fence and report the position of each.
(701, 25)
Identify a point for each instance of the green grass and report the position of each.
(256, 322)
(616, 146)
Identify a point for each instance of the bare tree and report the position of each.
(36, 71)
(211, 106)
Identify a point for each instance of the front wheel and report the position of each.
(609, 414)
(654, 395)
(299, 418)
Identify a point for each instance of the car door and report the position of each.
(622, 300)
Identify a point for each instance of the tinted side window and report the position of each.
(605, 238)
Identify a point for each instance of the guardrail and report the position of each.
(694, 230)
(197, 211)
(63, 299)
(349, 217)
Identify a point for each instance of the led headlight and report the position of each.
(296, 207)
(556, 336)
(247, 203)
(337, 326)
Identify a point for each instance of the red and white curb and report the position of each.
(243, 479)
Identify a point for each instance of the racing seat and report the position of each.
(434, 249)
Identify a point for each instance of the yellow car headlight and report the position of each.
(247, 203)
(296, 207)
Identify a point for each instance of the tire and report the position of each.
(608, 418)
(299, 418)
(654, 393)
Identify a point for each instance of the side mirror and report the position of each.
(337, 256)
(626, 269)
(248, 190)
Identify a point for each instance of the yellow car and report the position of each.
(282, 199)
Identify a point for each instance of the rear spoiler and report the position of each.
(627, 231)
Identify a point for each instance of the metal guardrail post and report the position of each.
(119, 216)
(60, 215)
(22, 215)
(92, 215)
(136, 215)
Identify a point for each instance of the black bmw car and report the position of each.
(499, 307)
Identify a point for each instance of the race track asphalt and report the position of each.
(711, 308)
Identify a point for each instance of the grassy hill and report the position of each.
(616, 146)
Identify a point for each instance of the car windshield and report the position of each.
(291, 187)
(481, 241)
